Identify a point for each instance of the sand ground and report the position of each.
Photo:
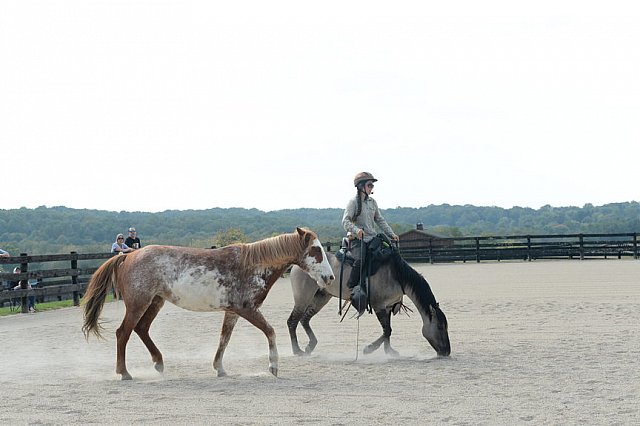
(555, 342)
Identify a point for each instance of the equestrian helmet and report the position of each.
(363, 177)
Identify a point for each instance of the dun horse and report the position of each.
(235, 279)
(387, 286)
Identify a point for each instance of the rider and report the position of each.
(359, 219)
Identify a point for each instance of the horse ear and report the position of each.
(306, 236)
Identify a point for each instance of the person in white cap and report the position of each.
(132, 240)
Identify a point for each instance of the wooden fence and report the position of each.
(71, 282)
(521, 247)
(61, 283)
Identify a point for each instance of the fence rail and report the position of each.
(72, 281)
(519, 247)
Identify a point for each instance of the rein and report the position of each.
(340, 293)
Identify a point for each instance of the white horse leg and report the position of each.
(229, 322)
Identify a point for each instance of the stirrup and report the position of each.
(359, 299)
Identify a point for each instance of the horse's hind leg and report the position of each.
(384, 317)
(292, 324)
(134, 311)
(303, 316)
(122, 337)
(229, 322)
(320, 299)
(142, 329)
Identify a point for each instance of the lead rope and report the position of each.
(357, 337)
(361, 283)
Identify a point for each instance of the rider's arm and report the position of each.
(347, 222)
(382, 223)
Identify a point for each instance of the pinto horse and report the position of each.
(235, 279)
(387, 287)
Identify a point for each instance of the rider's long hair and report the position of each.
(359, 189)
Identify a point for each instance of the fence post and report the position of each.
(581, 247)
(431, 251)
(24, 267)
(529, 248)
(635, 245)
(74, 278)
(477, 250)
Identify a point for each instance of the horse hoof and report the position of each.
(299, 352)
(392, 352)
(308, 350)
(274, 371)
(222, 373)
(126, 376)
(368, 350)
(159, 367)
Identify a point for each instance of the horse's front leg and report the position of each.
(229, 322)
(254, 316)
(384, 317)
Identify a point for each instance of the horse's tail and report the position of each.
(105, 278)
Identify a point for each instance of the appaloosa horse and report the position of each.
(387, 286)
(235, 279)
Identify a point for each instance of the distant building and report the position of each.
(419, 238)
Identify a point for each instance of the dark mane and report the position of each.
(409, 277)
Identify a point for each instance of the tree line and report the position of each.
(48, 230)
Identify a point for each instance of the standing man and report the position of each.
(132, 240)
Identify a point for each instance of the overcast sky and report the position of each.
(156, 105)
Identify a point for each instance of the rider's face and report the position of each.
(368, 187)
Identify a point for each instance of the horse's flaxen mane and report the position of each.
(278, 250)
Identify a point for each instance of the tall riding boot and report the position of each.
(354, 276)
(358, 292)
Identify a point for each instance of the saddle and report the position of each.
(379, 252)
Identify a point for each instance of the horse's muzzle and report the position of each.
(444, 352)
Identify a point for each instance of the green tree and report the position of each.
(230, 236)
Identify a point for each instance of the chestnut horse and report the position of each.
(234, 279)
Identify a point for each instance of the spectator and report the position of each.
(132, 240)
(22, 285)
(119, 246)
(4, 253)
